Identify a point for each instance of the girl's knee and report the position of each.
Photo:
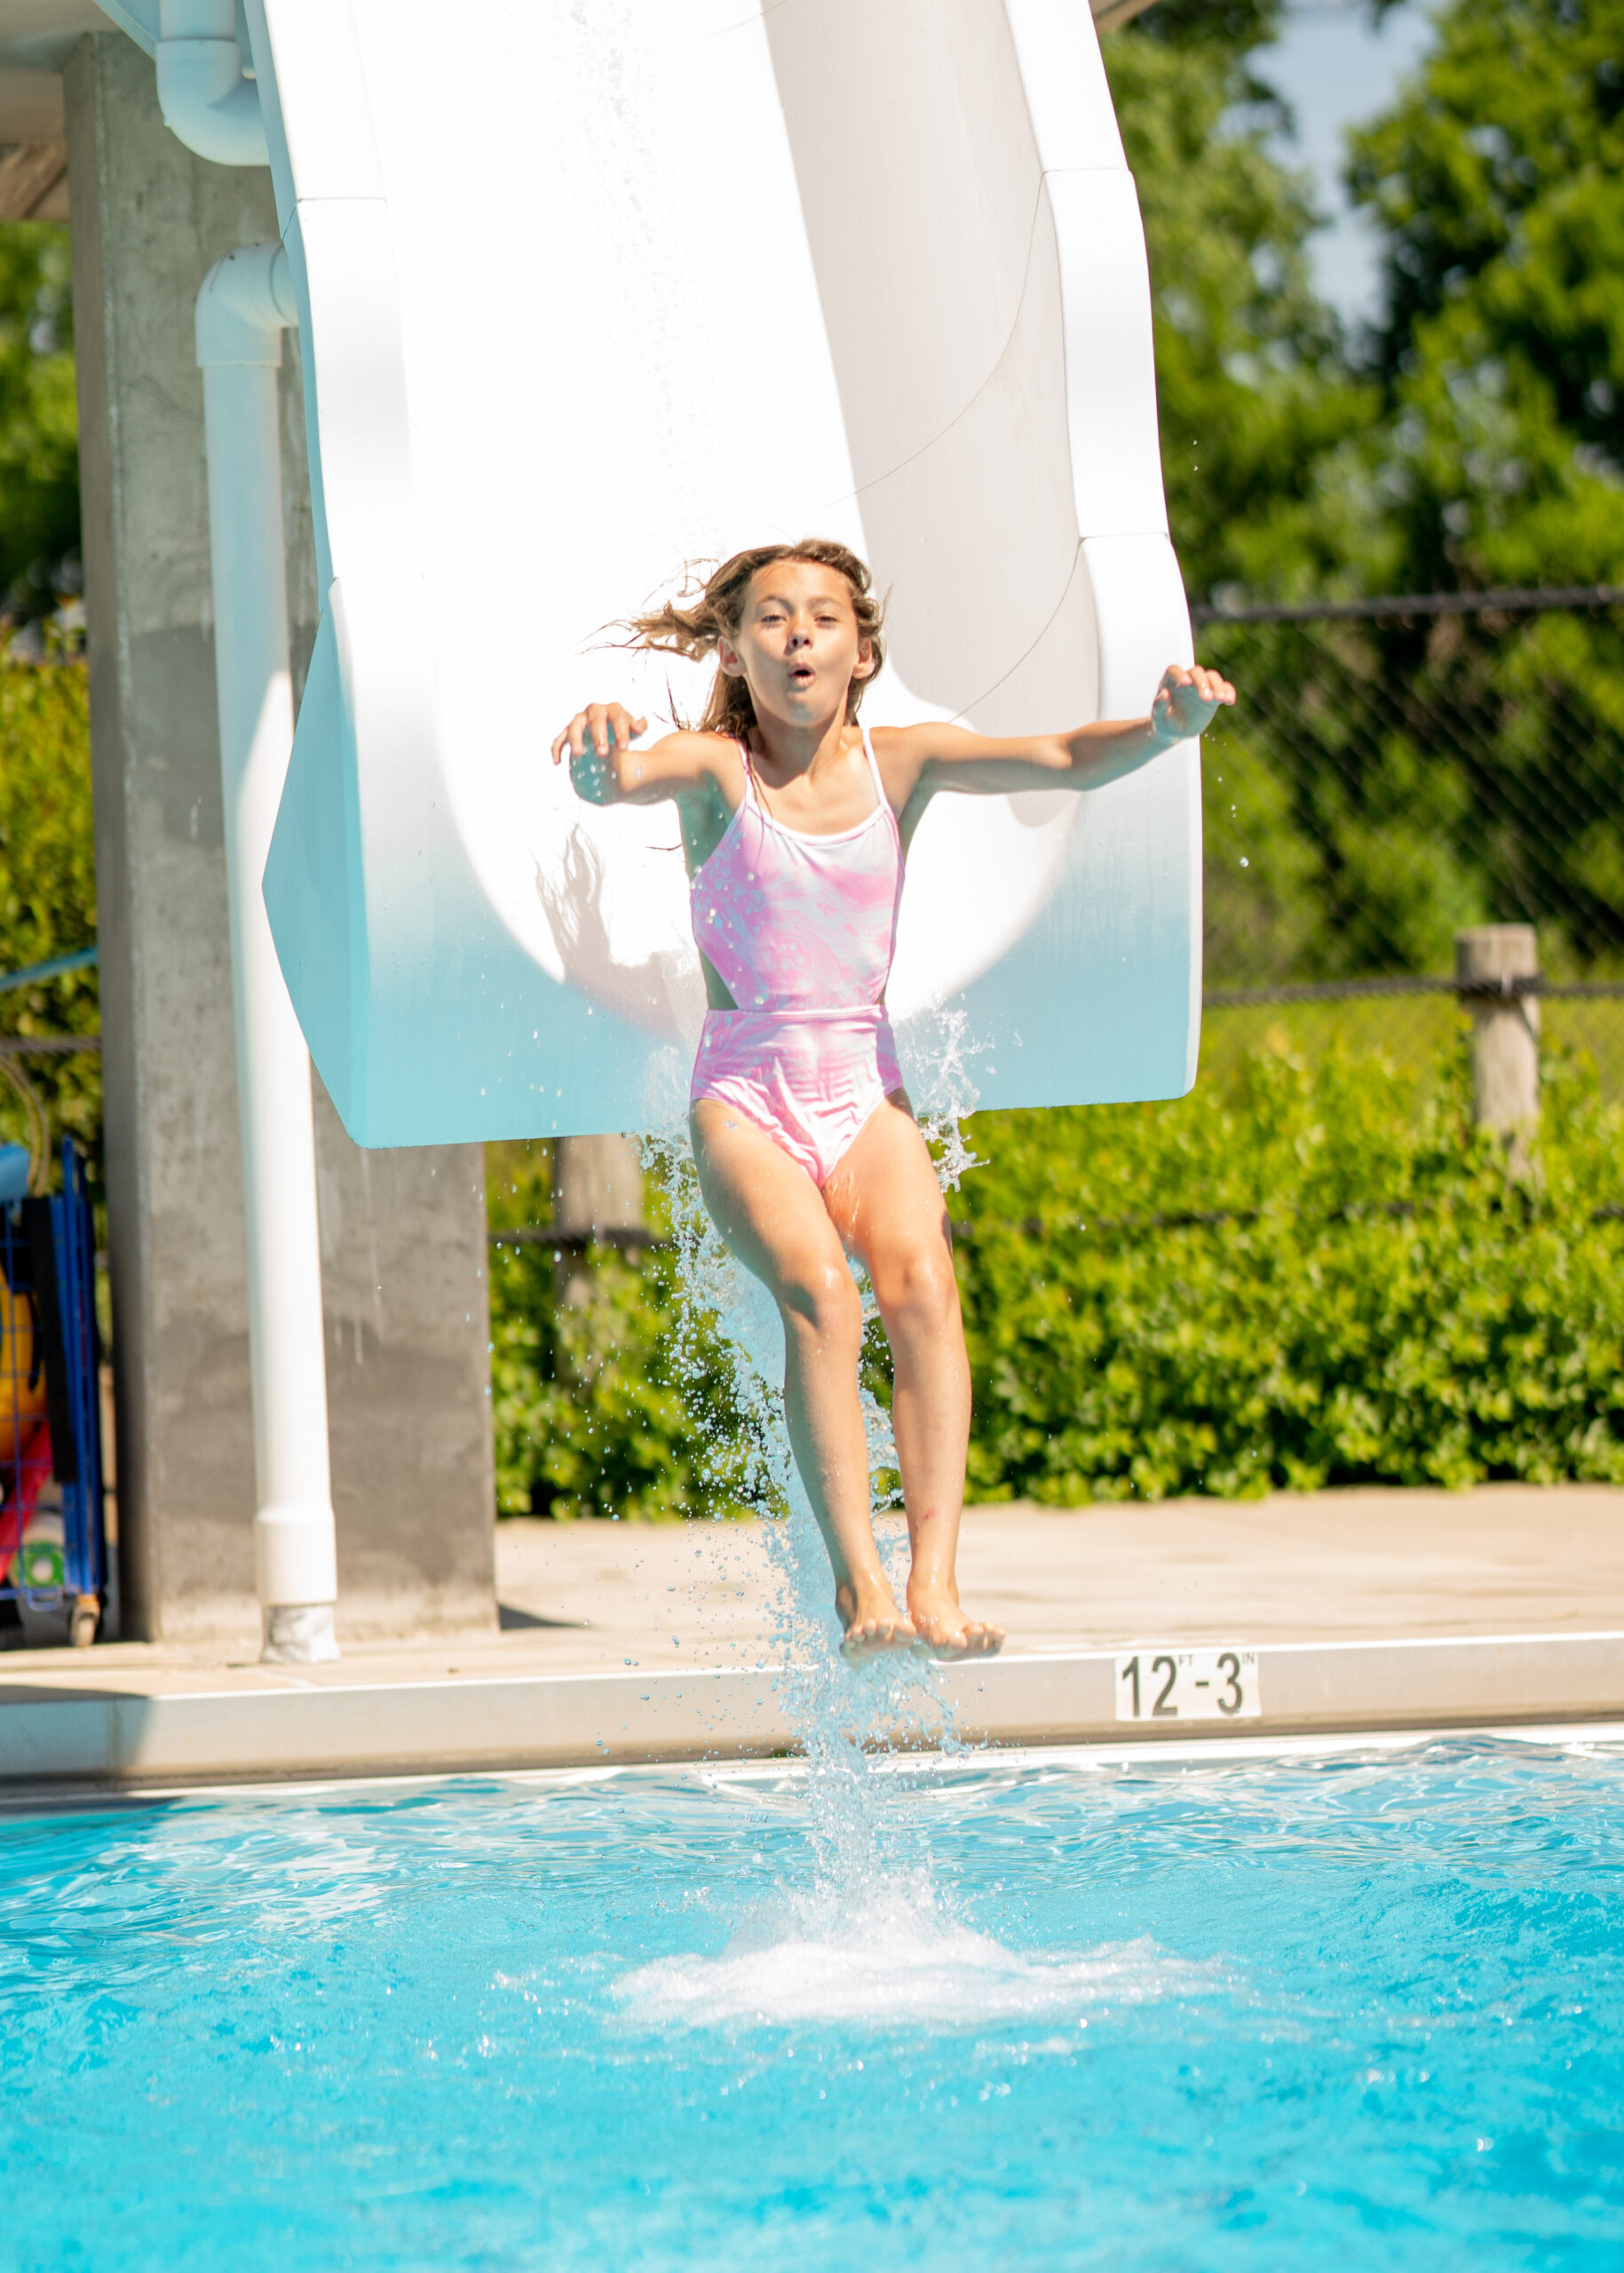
(820, 1302)
(915, 1286)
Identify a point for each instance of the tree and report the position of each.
(39, 450)
(1385, 783)
(1261, 413)
(1498, 182)
(1270, 488)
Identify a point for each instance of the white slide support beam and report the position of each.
(245, 302)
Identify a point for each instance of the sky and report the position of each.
(1336, 71)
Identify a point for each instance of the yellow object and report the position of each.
(22, 1379)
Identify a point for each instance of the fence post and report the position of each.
(596, 1187)
(1505, 1034)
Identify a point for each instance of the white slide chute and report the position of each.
(587, 292)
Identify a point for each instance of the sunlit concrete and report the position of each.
(1368, 1610)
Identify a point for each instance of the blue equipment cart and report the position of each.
(53, 1540)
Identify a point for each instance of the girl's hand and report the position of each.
(599, 723)
(592, 737)
(1186, 700)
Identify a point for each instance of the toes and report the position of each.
(970, 1639)
(870, 1636)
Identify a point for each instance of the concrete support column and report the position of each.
(1505, 1031)
(403, 1253)
(406, 1293)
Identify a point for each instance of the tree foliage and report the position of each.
(39, 450)
(1497, 182)
(48, 888)
(1384, 783)
(1259, 406)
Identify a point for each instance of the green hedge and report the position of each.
(624, 1406)
(1372, 1303)
(1367, 1301)
(48, 888)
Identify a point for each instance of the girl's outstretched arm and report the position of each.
(607, 770)
(924, 759)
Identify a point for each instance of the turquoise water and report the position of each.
(1362, 2010)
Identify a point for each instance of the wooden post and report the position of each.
(597, 1189)
(1505, 1034)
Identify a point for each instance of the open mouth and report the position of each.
(801, 675)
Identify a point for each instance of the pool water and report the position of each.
(1305, 2011)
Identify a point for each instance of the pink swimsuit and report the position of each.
(800, 929)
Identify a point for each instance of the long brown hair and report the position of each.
(711, 609)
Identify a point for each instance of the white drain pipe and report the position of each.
(245, 302)
(207, 100)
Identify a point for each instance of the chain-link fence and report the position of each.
(1397, 770)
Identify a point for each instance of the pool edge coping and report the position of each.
(513, 1723)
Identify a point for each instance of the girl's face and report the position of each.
(798, 647)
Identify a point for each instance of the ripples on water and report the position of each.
(1148, 2014)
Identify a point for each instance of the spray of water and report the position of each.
(842, 1713)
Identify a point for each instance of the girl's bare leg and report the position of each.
(886, 1204)
(772, 1216)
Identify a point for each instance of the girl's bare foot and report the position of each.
(944, 1630)
(873, 1623)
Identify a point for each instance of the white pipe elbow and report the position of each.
(244, 304)
(207, 102)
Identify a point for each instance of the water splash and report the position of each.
(841, 1712)
(912, 1965)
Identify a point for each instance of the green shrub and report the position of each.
(1290, 1278)
(621, 1407)
(1370, 1301)
(48, 890)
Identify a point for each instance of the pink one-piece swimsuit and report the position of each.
(800, 929)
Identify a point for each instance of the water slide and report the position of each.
(588, 288)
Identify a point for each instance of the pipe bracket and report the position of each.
(244, 305)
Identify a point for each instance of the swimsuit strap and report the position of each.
(752, 788)
(879, 786)
(752, 796)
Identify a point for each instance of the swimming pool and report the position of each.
(1163, 2013)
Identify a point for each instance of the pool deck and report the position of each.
(1366, 1611)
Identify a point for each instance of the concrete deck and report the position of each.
(1367, 1610)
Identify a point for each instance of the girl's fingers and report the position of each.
(600, 724)
(1209, 687)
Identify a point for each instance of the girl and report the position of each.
(795, 823)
